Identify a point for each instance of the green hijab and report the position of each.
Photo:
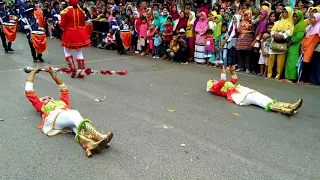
(300, 26)
(217, 29)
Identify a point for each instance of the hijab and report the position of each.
(300, 26)
(193, 17)
(175, 14)
(156, 21)
(285, 24)
(217, 28)
(196, 20)
(230, 19)
(202, 24)
(262, 25)
(123, 13)
(182, 23)
(314, 28)
(234, 27)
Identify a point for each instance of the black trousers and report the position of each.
(4, 41)
(120, 47)
(34, 54)
(181, 55)
(58, 31)
(244, 59)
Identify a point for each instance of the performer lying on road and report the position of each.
(57, 116)
(246, 96)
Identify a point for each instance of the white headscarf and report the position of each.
(233, 33)
(136, 12)
(193, 17)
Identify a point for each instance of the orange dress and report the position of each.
(308, 45)
(73, 25)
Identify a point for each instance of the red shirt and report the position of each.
(167, 30)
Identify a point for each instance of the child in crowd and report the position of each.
(126, 24)
(156, 43)
(265, 43)
(150, 34)
(174, 47)
(222, 43)
(209, 46)
(143, 35)
(111, 40)
(104, 41)
(168, 32)
(108, 16)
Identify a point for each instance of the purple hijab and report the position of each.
(196, 21)
(262, 25)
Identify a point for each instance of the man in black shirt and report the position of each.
(183, 52)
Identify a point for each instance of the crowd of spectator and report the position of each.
(271, 39)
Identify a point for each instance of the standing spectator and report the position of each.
(264, 50)
(309, 42)
(156, 42)
(190, 35)
(167, 35)
(200, 31)
(209, 47)
(56, 18)
(294, 48)
(244, 44)
(281, 31)
(232, 40)
(222, 43)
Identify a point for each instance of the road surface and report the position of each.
(205, 138)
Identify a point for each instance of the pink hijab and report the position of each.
(314, 29)
(202, 26)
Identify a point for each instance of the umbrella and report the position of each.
(300, 66)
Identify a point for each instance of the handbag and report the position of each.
(278, 46)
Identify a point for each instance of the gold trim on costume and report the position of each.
(246, 96)
(74, 18)
(64, 11)
(54, 121)
(78, 23)
(30, 93)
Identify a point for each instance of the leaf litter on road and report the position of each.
(171, 110)
(235, 114)
(100, 100)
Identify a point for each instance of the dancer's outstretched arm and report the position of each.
(63, 88)
(29, 91)
(234, 76)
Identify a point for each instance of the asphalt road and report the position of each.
(148, 139)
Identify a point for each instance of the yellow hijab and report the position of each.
(285, 24)
(307, 21)
(266, 8)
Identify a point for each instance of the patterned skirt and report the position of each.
(199, 55)
(244, 42)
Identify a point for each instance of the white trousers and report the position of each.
(67, 53)
(257, 99)
(68, 119)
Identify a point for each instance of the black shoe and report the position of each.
(6, 50)
(35, 60)
(10, 49)
(40, 59)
